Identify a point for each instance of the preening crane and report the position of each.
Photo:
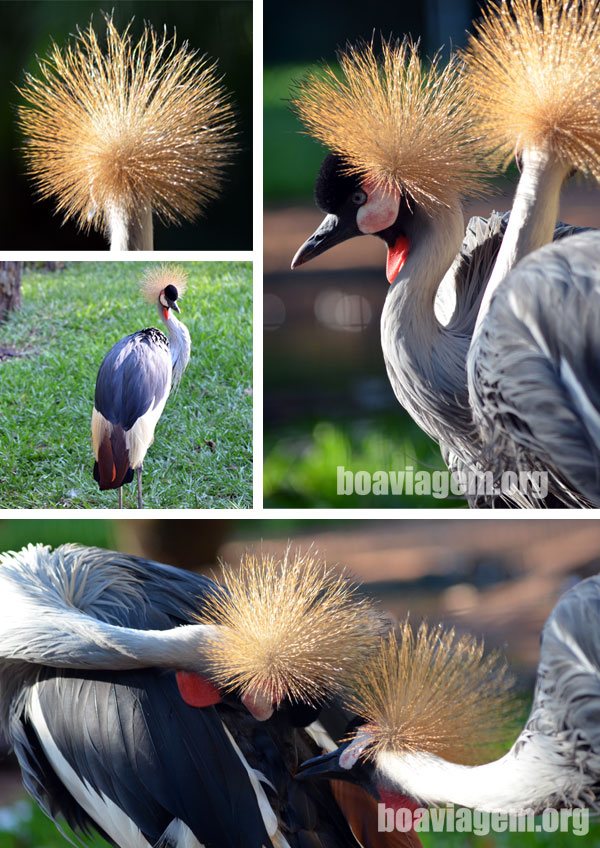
(108, 666)
(429, 699)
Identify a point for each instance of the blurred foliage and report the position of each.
(15, 534)
(202, 456)
(301, 461)
(291, 158)
(221, 29)
(25, 826)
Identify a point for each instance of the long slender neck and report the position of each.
(530, 776)
(180, 344)
(72, 639)
(129, 232)
(533, 217)
(424, 359)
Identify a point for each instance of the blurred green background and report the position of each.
(327, 400)
(50, 352)
(497, 579)
(222, 29)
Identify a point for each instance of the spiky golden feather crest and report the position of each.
(140, 126)
(293, 628)
(432, 691)
(398, 124)
(155, 279)
(534, 68)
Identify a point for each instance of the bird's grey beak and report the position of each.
(173, 305)
(332, 230)
(327, 767)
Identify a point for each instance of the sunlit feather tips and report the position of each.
(402, 126)
(292, 628)
(534, 68)
(136, 126)
(156, 278)
(432, 691)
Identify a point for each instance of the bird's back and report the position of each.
(132, 387)
(564, 725)
(535, 384)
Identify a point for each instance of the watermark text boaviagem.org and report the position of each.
(440, 484)
(465, 820)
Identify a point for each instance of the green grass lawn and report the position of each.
(202, 454)
(301, 461)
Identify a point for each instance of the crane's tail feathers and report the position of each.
(291, 628)
(403, 126)
(114, 134)
(534, 69)
(434, 691)
(112, 468)
(156, 278)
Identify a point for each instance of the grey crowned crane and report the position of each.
(117, 135)
(133, 384)
(429, 699)
(108, 665)
(408, 144)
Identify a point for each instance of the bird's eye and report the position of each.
(358, 198)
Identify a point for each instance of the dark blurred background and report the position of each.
(327, 400)
(220, 28)
(498, 579)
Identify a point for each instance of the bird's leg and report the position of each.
(140, 500)
(120, 490)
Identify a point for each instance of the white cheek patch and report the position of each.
(379, 212)
(352, 753)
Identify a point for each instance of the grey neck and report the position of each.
(425, 360)
(533, 217)
(180, 343)
(72, 639)
(129, 231)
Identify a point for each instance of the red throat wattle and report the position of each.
(166, 312)
(197, 691)
(399, 802)
(396, 257)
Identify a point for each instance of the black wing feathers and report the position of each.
(132, 738)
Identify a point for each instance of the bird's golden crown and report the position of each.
(158, 277)
(534, 69)
(402, 126)
(136, 126)
(432, 691)
(292, 628)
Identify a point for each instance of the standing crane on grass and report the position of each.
(408, 144)
(129, 692)
(430, 698)
(116, 136)
(133, 384)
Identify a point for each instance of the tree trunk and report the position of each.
(10, 287)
